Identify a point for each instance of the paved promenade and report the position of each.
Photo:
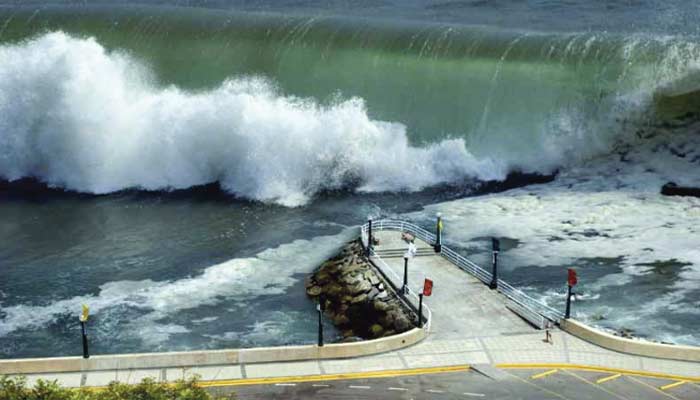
(470, 325)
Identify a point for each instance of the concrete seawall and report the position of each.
(630, 346)
(212, 357)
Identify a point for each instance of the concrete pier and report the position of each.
(470, 325)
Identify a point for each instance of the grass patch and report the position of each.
(16, 388)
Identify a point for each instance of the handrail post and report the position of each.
(496, 247)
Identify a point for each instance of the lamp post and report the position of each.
(369, 236)
(404, 288)
(496, 247)
(438, 234)
(83, 320)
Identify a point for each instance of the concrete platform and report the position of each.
(471, 322)
(470, 325)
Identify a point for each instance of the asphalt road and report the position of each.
(506, 384)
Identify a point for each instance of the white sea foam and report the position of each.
(609, 207)
(79, 117)
(269, 272)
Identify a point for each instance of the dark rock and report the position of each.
(341, 320)
(381, 306)
(351, 268)
(314, 291)
(376, 330)
(358, 300)
(309, 281)
(373, 293)
(402, 323)
(382, 295)
(671, 189)
(360, 287)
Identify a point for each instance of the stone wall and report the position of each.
(357, 298)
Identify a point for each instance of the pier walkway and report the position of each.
(470, 325)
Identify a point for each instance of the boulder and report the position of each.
(372, 278)
(358, 301)
(361, 298)
(352, 279)
(360, 287)
(348, 333)
(314, 291)
(376, 330)
(341, 320)
(402, 324)
(309, 281)
(381, 306)
(351, 268)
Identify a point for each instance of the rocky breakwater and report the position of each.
(357, 298)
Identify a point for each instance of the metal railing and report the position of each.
(410, 298)
(526, 303)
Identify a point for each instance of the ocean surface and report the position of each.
(180, 166)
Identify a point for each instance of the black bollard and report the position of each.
(420, 310)
(496, 247)
(320, 309)
(404, 288)
(568, 303)
(369, 236)
(86, 353)
(438, 234)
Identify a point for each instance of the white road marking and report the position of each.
(359, 387)
(435, 391)
(399, 389)
(317, 385)
(474, 394)
(285, 384)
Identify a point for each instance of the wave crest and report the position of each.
(79, 117)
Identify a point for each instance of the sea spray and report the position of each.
(76, 116)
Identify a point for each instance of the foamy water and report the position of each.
(608, 209)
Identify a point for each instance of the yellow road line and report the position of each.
(592, 368)
(672, 385)
(335, 377)
(319, 378)
(653, 388)
(608, 378)
(538, 387)
(543, 374)
(594, 385)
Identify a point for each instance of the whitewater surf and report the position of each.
(307, 124)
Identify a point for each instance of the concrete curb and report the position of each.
(212, 357)
(630, 346)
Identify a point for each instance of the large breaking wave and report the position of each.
(79, 117)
